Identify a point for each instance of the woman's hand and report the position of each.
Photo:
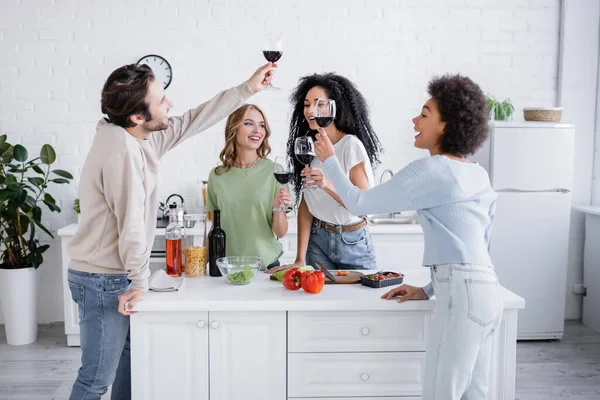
(262, 77)
(283, 197)
(406, 292)
(315, 177)
(323, 146)
(282, 267)
(129, 299)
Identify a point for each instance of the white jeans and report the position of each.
(467, 313)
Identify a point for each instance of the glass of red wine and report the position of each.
(273, 50)
(304, 149)
(283, 174)
(324, 112)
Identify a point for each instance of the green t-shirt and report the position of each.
(245, 198)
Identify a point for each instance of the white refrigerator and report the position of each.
(531, 168)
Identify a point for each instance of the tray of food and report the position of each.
(382, 279)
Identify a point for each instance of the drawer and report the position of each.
(357, 331)
(355, 374)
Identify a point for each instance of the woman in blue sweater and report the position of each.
(456, 205)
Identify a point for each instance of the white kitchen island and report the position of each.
(213, 340)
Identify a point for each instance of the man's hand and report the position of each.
(130, 299)
(406, 292)
(262, 77)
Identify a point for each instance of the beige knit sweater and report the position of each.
(119, 195)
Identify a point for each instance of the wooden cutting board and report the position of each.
(352, 277)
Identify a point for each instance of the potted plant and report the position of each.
(77, 209)
(500, 110)
(23, 185)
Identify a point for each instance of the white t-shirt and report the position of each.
(350, 152)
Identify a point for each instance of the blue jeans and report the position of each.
(340, 250)
(104, 334)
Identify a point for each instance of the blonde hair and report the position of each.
(234, 121)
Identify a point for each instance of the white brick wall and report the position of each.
(55, 56)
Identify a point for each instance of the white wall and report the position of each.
(577, 95)
(57, 54)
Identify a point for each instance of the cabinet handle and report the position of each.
(214, 324)
(365, 331)
(364, 377)
(200, 324)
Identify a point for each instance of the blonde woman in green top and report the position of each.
(244, 188)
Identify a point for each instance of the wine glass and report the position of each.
(273, 50)
(324, 112)
(283, 174)
(304, 149)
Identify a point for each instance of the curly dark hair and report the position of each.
(352, 117)
(124, 94)
(464, 109)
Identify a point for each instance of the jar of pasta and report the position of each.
(195, 252)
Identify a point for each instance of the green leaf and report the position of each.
(63, 173)
(20, 197)
(2, 139)
(52, 206)
(30, 201)
(49, 198)
(6, 194)
(7, 156)
(37, 213)
(59, 180)
(43, 228)
(36, 181)
(47, 154)
(4, 147)
(37, 169)
(43, 248)
(20, 153)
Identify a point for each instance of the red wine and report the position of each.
(323, 122)
(216, 244)
(305, 159)
(272, 56)
(283, 177)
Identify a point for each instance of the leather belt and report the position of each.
(345, 228)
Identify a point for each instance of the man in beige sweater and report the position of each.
(119, 196)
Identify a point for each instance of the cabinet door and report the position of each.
(169, 356)
(398, 252)
(247, 355)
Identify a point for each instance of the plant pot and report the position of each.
(79, 218)
(19, 295)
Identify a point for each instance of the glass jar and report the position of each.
(194, 247)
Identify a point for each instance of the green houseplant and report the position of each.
(77, 209)
(500, 110)
(23, 185)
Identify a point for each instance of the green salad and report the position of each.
(241, 277)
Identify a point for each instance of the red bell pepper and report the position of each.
(292, 279)
(313, 281)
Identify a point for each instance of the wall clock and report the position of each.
(160, 66)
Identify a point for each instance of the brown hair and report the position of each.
(124, 94)
(234, 121)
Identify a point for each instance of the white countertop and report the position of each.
(594, 210)
(215, 294)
